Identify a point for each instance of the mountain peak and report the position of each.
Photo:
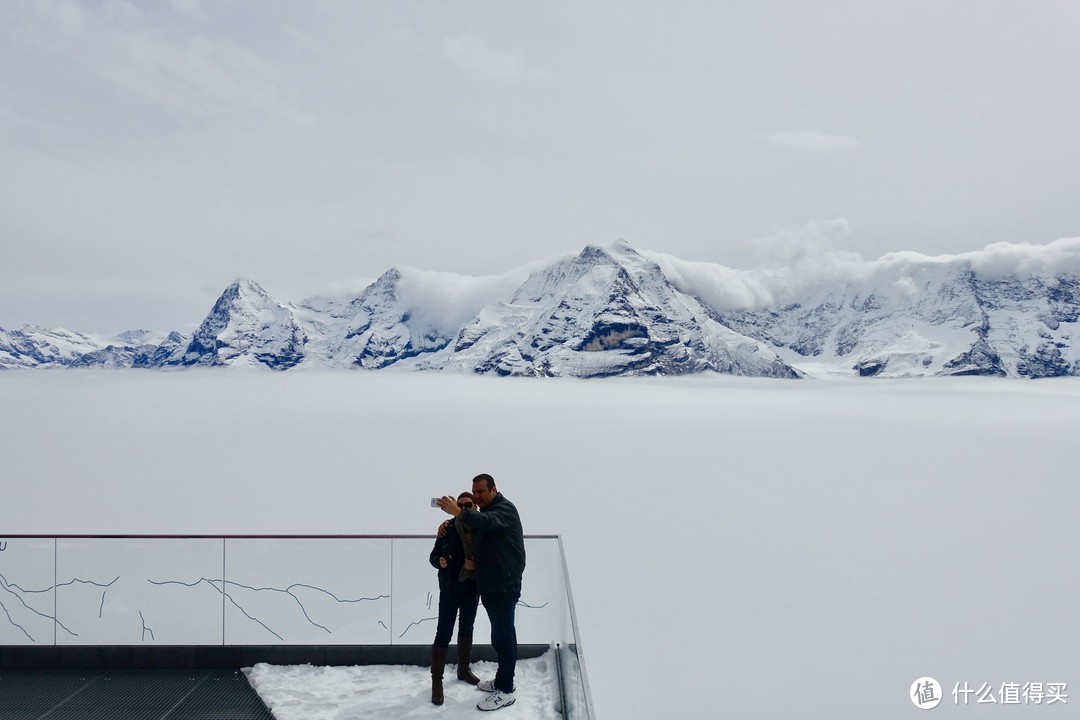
(621, 246)
(246, 326)
(606, 311)
(390, 276)
(614, 253)
(245, 287)
(594, 254)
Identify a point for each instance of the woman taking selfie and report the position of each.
(452, 556)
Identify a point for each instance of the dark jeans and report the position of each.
(459, 596)
(500, 606)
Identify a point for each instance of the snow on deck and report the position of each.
(374, 692)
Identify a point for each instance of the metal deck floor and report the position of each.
(130, 695)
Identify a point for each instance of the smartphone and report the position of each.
(434, 502)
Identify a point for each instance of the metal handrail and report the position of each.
(586, 690)
(238, 537)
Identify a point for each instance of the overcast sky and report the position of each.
(153, 152)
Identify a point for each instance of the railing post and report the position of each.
(582, 674)
(54, 581)
(391, 591)
(223, 542)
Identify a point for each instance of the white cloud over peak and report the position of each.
(1003, 259)
(811, 142)
(802, 259)
(445, 301)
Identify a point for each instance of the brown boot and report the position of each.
(464, 657)
(438, 664)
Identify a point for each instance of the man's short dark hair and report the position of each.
(486, 479)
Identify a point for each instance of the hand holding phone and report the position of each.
(446, 504)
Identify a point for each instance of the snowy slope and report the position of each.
(1032, 324)
(33, 346)
(167, 352)
(911, 315)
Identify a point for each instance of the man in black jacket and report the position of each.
(499, 554)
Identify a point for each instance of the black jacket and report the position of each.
(448, 546)
(499, 548)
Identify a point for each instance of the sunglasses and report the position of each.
(465, 505)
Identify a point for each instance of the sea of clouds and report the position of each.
(747, 547)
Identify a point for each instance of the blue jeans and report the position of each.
(459, 596)
(500, 606)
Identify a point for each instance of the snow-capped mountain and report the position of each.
(168, 352)
(378, 330)
(614, 311)
(33, 346)
(405, 313)
(927, 318)
(245, 327)
(607, 311)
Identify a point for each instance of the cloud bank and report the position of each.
(796, 262)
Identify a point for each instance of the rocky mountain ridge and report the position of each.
(612, 311)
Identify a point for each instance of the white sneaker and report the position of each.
(496, 700)
(488, 686)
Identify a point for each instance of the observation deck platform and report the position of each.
(148, 627)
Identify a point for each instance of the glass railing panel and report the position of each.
(416, 594)
(308, 591)
(537, 617)
(576, 705)
(206, 591)
(138, 591)
(27, 601)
